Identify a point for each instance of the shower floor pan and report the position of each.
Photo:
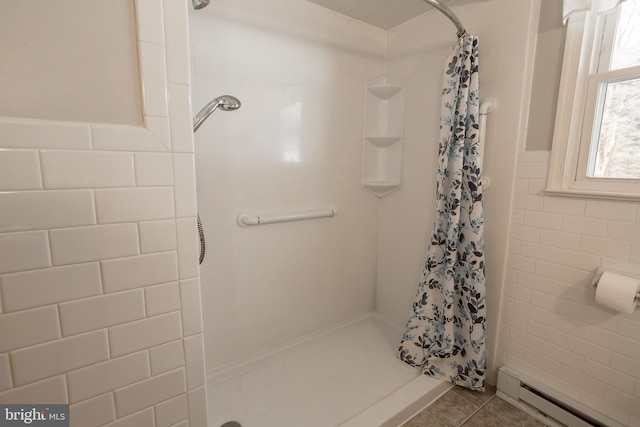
(348, 377)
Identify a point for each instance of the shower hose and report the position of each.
(201, 233)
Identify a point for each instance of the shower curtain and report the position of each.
(445, 333)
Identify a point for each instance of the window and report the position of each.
(596, 145)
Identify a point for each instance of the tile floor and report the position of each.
(462, 407)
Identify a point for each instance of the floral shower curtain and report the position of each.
(445, 334)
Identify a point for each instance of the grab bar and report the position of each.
(486, 107)
(246, 220)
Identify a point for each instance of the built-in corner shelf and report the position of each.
(384, 90)
(384, 131)
(383, 141)
(381, 188)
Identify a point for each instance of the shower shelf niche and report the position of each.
(381, 188)
(384, 127)
(383, 141)
(384, 90)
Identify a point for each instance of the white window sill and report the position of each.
(592, 194)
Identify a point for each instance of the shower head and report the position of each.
(228, 102)
(200, 4)
(224, 102)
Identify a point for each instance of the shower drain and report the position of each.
(231, 424)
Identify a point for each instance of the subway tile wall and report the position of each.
(551, 326)
(99, 287)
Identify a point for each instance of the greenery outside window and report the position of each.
(596, 144)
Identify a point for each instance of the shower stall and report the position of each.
(302, 320)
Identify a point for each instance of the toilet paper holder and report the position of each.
(600, 271)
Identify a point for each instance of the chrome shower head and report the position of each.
(200, 4)
(228, 103)
(224, 102)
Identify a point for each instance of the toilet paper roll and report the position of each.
(617, 292)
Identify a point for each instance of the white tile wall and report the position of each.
(148, 28)
(615, 342)
(142, 418)
(41, 134)
(37, 288)
(145, 333)
(45, 360)
(198, 407)
(189, 250)
(628, 328)
(172, 411)
(180, 111)
(5, 372)
(551, 325)
(176, 19)
(149, 392)
(90, 314)
(191, 307)
(19, 170)
(162, 298)
(153, 169)
(144, 270)
(93, 412)
(90, 303)
(184, 166)
(619, 211)
(159, 128)
(106, 376)
(79, 244)
(167, 357)
(23, 210)
(123, 138)
(194, 355)
(24, 251)
(28, 327)
(157, 236)
(86, 169)
(153, 72)
(134, 204)
(52, 390)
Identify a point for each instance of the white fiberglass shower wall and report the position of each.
(294, 145)
(300, 71)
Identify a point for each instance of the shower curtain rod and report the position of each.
(449, 14)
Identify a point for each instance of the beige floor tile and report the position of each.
(452, 409)
(461, 407)
(423, 419)
(483, 419)
(510, 415)
(476, 397)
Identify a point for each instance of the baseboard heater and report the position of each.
(548, 404)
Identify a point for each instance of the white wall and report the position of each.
(80, 67)
(99, 288)
(552, 329)
(416, 54)
(300, 71)
(546, 76)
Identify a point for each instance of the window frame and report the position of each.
(588, 44)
